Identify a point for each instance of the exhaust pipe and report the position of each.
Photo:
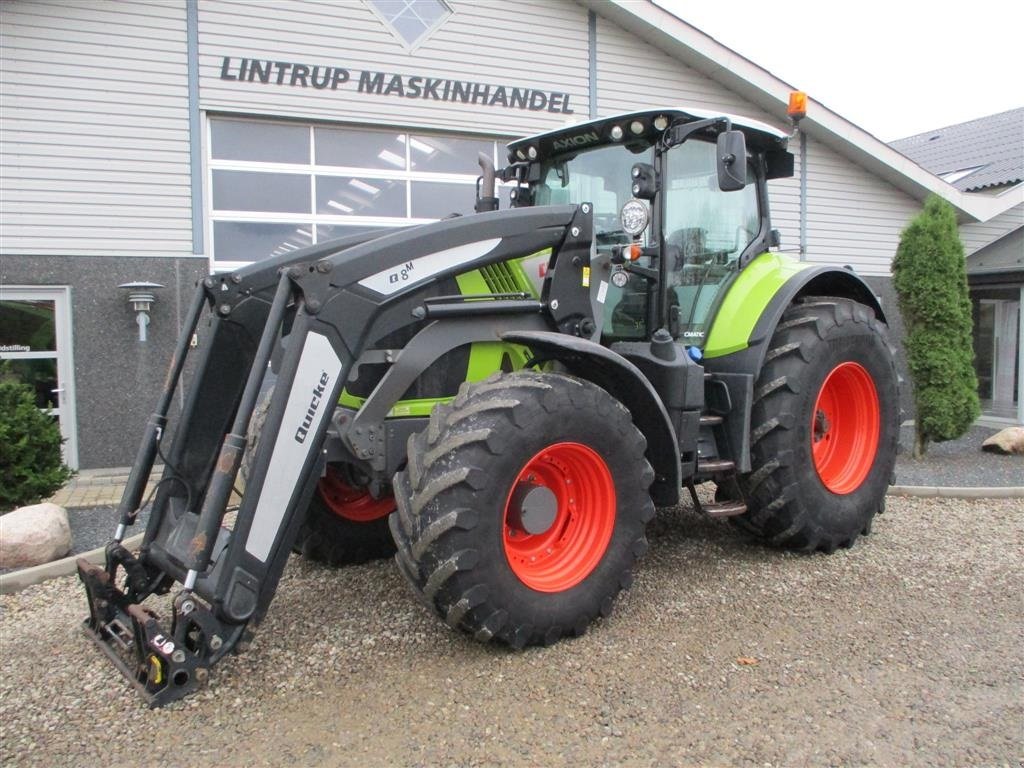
(485, 196)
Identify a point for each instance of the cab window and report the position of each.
(706, 231)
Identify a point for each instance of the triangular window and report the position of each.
(412, 20)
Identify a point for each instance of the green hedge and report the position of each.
(31, 467)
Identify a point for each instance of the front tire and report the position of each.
(522, 509)
(824, 428)
(343, 523)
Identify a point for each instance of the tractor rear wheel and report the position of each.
(522, 509)
(824, 427)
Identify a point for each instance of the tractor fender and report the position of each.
(743, 328)
(751, 310)
(624, 381)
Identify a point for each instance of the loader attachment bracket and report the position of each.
(162, 665)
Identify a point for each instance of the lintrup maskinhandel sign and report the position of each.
(330, 78)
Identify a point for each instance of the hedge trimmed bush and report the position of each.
(931, 281)
(31, 467)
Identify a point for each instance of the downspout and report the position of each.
(195, 149)
(803, 197)
(195, 144)
(592, 63)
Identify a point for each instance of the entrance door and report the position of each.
(35, 345)
(1004, 378)
(997, 354)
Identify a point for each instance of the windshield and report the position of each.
(600, 176)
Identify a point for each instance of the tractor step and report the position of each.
(724, 508)
(710, 420)
(715, 466)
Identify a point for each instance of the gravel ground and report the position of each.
(959, 462)
(904, 650)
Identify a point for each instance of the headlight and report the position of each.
(634, 217)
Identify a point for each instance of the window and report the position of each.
(706, 230)
(412, 20)
(600, 176)
(954, 176)
(278, 187)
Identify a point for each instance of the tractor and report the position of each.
(502, 400)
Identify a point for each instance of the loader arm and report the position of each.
(321, 306)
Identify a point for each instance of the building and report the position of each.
(157, 140)
(986, 157)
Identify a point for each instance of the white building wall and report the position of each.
(95, 149)
(784, 204)
(632, 74)
(853, 217)
(977, 235)
(529, 44)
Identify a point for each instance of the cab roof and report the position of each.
(592, 133)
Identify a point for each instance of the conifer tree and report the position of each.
(930, 278)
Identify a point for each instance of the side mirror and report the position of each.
(732, 161)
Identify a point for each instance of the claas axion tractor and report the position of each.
(502, 399)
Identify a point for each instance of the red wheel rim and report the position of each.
(567, 552)
(845, 427)
(355, 504)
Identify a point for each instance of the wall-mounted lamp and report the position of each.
(141, 296)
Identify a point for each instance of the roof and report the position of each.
(703, 53)
(982, 153)
(1004, 255)
(759, 134)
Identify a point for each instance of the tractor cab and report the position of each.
(680, 205)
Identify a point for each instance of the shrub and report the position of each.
(931, 282)
(31, 467)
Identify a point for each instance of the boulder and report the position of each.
(34, 535)
(1009, 440)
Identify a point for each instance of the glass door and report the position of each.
(35, 345)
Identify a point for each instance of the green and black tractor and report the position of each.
(502, 399)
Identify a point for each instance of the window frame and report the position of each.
(312, 219)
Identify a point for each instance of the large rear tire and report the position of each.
(824, 427)
(522, 509)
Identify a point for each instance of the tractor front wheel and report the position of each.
(344, 524)
(522, 509)
(824, 427)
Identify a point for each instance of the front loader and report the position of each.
(502, 399)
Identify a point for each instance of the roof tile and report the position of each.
(993, 146)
